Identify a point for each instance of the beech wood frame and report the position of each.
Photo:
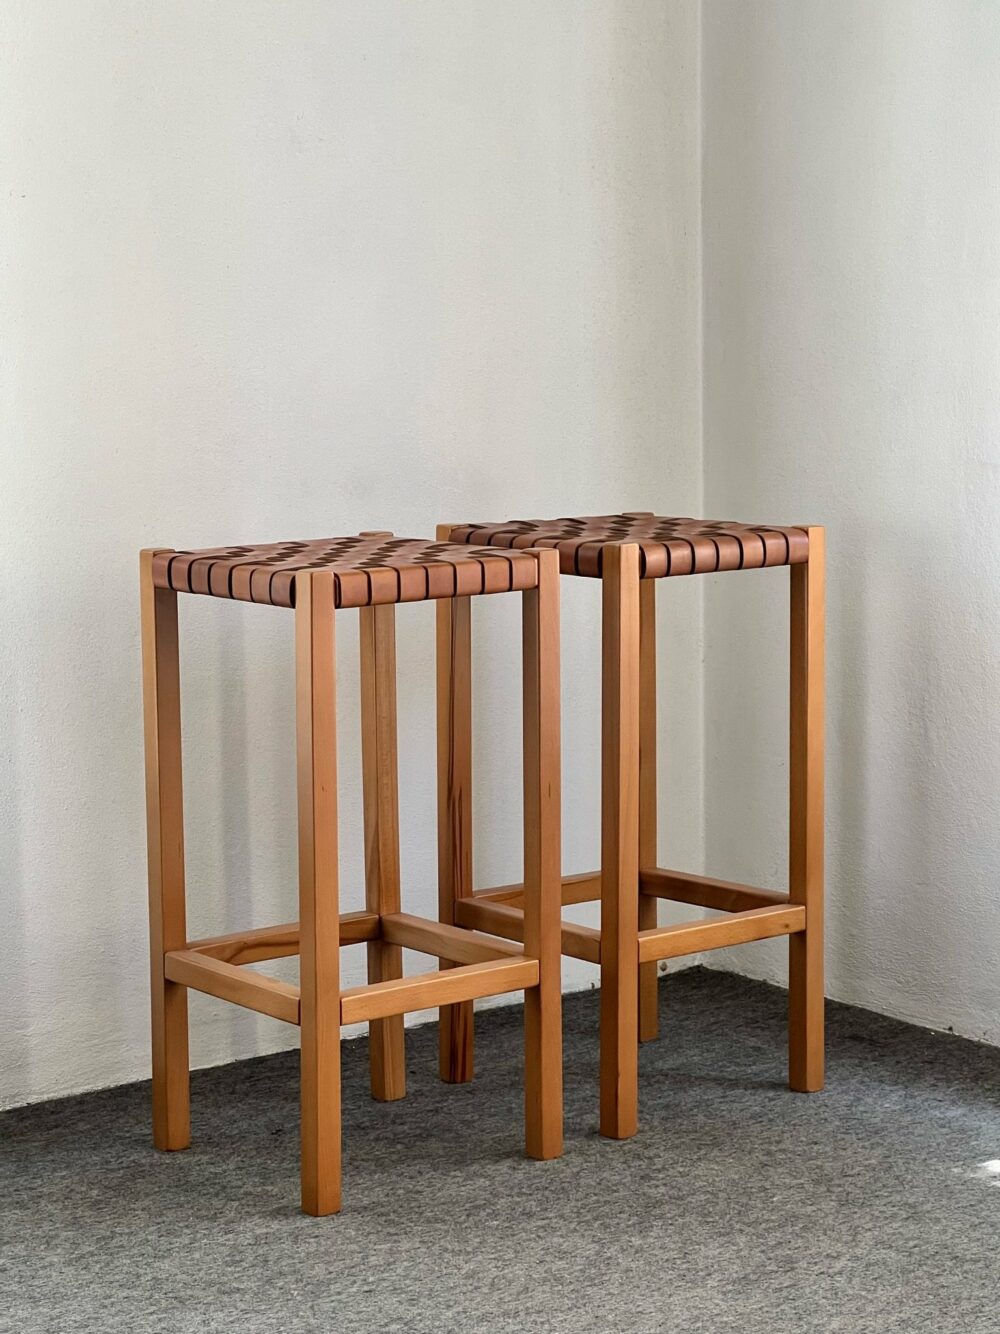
(474, 965)
(630, 943)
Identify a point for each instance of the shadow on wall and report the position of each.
(895, 721)
(894, 732)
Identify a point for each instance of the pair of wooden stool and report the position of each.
(493, 941)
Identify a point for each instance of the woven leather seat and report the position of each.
(368, 573)
(627, 554)
(667, 546)
(369, 569)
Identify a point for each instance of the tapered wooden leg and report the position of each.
(648, 987)
(319, 944)
(805, 973)
(620, 842)
(454, 745)
(165, 840)
(381, 797)
(542, 863)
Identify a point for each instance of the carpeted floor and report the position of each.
(740, 1206)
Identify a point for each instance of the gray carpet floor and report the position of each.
(739, 1206)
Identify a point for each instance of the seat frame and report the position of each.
(630, 943)
(472, 965)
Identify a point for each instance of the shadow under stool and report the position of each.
(628, 553)
(315, 580)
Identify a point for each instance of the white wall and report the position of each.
(301, 269)
(296, 269)
(852, 377)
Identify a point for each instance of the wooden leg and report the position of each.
(648, 987)
(620, 843)
(319, 925)
(165, 837)
(381, 800)
(542, 863)
(454, 723)
(805, 859)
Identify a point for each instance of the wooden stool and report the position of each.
(628, 552)
(371, 572)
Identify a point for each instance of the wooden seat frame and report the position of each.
(472, 965)
(630, 943)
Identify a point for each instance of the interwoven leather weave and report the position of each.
(368, 570)
(667, 546)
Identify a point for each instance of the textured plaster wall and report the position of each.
(277, 269)
(851, 200)
(299, 269)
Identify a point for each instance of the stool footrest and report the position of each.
(488, 967)
(585, 888)
(446, 942)
(507, 920)
(753, 914)
(670, 942)
(427, 990)
(230, 982)
(704, 892)
(279, 942)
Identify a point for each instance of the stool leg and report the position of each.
(319, 925)
(165, 837)
(542, 862)
(648, 991)
(620, 842)
(454, 723)
(380, 780)
(805, 860)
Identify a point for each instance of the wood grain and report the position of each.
(704, 892)
(583, 888)
(620, 842)
(466, 982)
(543, 1089)
(503, 919)
(454, 769)
(165, 848)
(232, 983)
(648, 975)
(280, 942)
(805, 854)
(670, 942)
(446, 942)
(380, 782)
(316, 735)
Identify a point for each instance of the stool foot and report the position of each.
(805, 1014)
(649, 999)
(543, 1093)
(171, 1077)
(456, 1043)
(320, 1075)
(619, 1067)
(386, 1039)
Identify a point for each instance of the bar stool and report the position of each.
(372, 572)
(628, 553)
